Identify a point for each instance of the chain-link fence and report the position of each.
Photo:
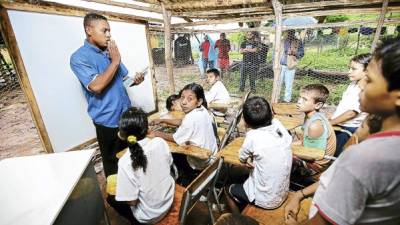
(8, 78)
(245, 59)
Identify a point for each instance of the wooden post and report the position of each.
(151, 69)
(11, 42)
(167, 44)
(358, 39)
(277, 50)
(380, 23)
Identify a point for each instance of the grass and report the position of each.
(264, 86)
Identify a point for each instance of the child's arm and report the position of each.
(316, 129)
(292, 207)
(165, 136)
(246, 152)
(348, 115)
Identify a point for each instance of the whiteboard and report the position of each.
(46, 43)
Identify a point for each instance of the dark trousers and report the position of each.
(186, 173)
(342, 138)
(109, 145)
(207, 64)
(248, 71)
(123, 209)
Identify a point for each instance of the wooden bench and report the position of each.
(276, 216)
(172, 216)
(186, 198)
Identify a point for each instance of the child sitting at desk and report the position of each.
(145, 189)
(218, 92)
(348, 115)
(317, 131)
(173, 106)
(173, 103)
(266, 150)
(196, 127)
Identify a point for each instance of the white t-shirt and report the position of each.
(218, 94)
(197, 129)
(268, 183)
(350, 101)
(154, 189)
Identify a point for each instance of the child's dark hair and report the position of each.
(214, 71)
(235, 219)
(197, 90)
(90, 17)
(363, 59)
(257, 112)
(374, 123)
(133, 125)
(321, 91)
(388, 53)
(170, 101)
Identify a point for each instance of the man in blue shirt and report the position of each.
(295, 48)
(98, 66)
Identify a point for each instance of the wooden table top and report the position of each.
(230, 153)
(168, 115)
(188, 150)
(290, 122)
(219, 106)
(285, 109)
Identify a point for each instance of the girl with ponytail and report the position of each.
(143, 180)
(133, 127)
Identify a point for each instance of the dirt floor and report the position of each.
(18, 134)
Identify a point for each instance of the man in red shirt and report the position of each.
(205, 48)
(224, 46)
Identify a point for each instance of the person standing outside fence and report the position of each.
(97, 65)
(249, 68)
(224, 46)
(293, 51)
(208, 54)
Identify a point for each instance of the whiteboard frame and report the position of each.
(16, 57)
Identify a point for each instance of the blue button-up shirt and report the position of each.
(105, 108)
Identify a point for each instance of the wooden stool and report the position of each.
(172, 216)
(276, 216)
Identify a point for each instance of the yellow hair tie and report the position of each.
(132, 139)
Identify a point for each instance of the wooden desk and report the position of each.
(58, 188)
(231, 152)
(188, 150)
(168, 115)
(285, 109)
(219, 106)
(290, 122)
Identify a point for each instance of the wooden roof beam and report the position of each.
(208, 4)
(62, 9)
(155, 9)
(270, 29)
(265, 9)
(270, 17)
